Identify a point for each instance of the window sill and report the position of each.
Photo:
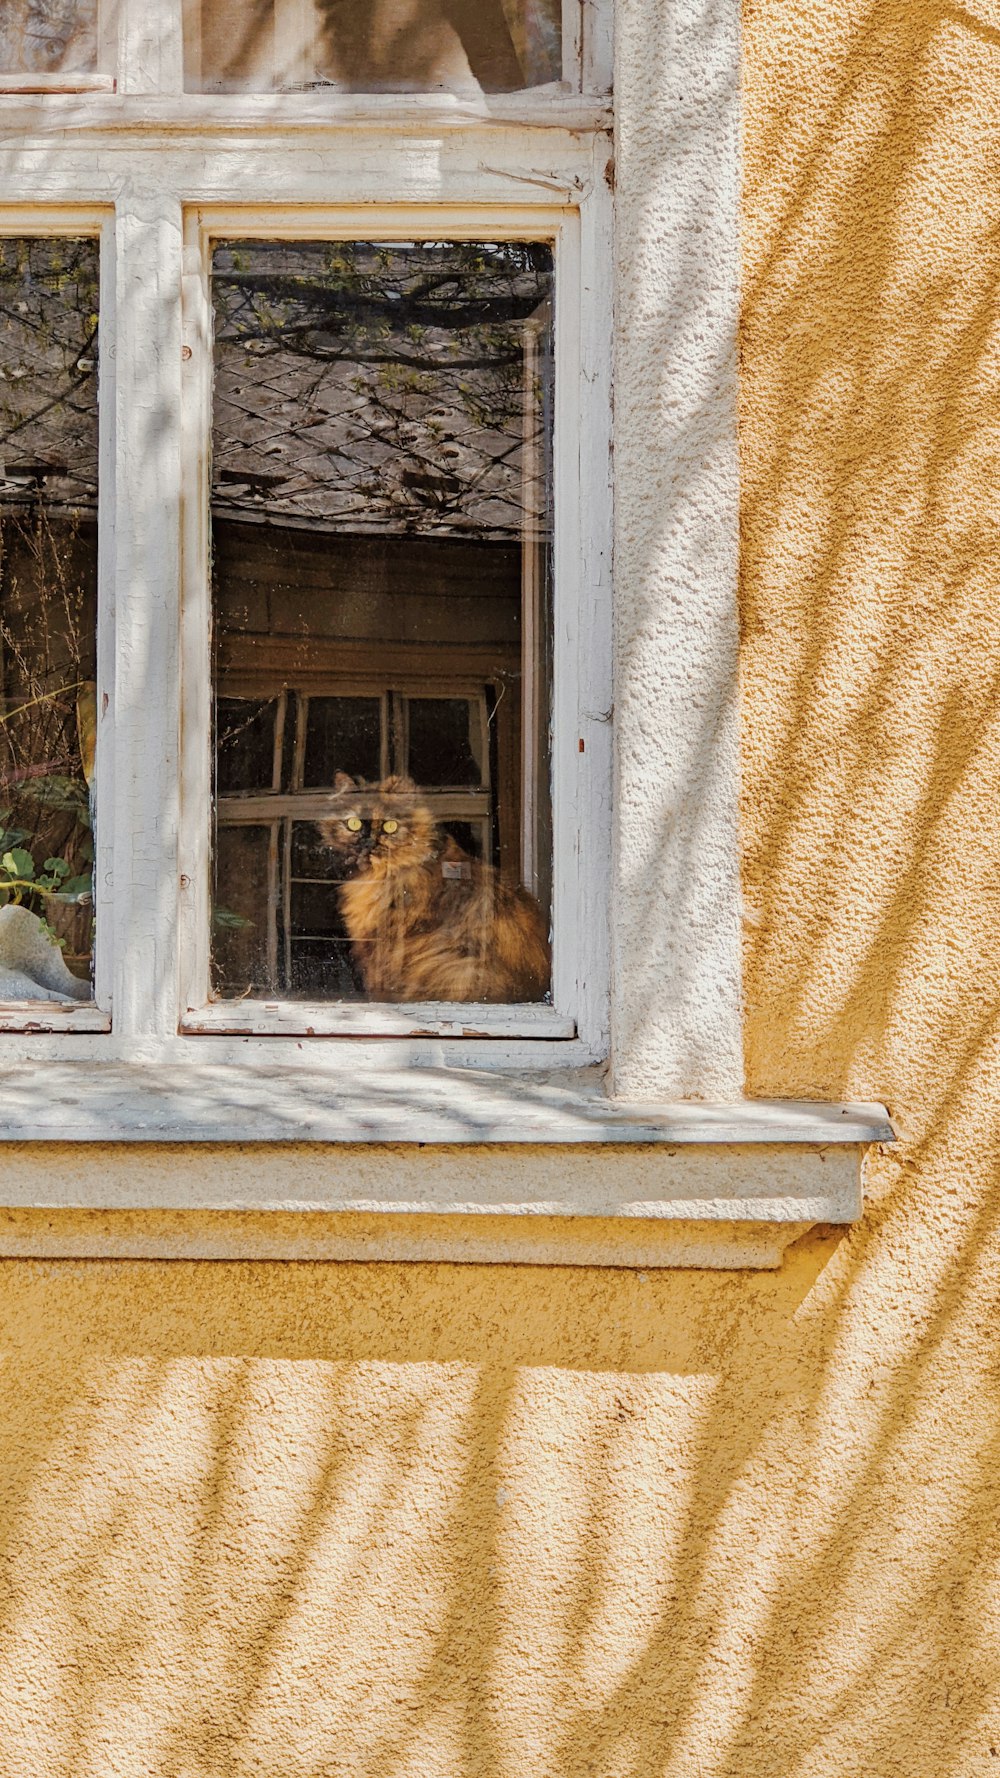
(301, 1018)
(31, 1017)
(413, 1164)
(212, 1102)
(21, 85)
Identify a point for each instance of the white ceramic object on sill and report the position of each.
(32, 966)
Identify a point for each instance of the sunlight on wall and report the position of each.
(351, 1518)
(429, 1521)
(870, 436)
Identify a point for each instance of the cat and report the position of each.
(426, 921)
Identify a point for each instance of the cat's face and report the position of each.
(372, 829)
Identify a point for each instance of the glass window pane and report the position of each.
(48, 616)
(494, 46)
(446, 741)
(381, 518)
(245, 744)
(244, 943)
(342, 735)
(48, 36)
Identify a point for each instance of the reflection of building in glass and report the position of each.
(381, 534)
(381, 388)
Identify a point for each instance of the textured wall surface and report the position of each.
(432, 1521)
(676, 889)
(870, 409)
(324, 1519)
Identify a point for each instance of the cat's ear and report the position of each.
(398, 786)
(343, 781)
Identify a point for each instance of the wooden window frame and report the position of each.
(571, 1013)
(141, 50)
(157, 183)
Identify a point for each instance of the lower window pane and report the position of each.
(244, 939)
(48, 616)
(348, 730)
(382, 633)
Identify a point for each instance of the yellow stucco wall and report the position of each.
(404, 1521)
(307, 1520)
(871, 671)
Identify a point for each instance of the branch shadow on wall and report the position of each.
(321, 1518)
(312, 1519)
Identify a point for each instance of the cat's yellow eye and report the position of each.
(389, 826)
(354, 824)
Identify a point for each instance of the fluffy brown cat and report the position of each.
(426, 921)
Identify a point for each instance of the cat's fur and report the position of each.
(426, 921)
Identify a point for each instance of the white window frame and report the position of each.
(85, 223)
(176, 184)
(580, 786)
(141, 166)
(141, 50)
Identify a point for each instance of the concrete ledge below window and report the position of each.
(229, 1102)
(115, 1162)
(392, 1239)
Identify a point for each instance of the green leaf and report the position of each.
(58, 792)
(19, 863)
(227, 921)
(57, 866)
(75, 890)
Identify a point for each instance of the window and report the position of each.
(379, 429)
(381, 617)
(310, 543)
(49, 305)
(382, 46)
(53, 45)
(305, 365)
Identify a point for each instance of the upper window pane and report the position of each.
(367, 46)
(48, 36)
(48, 616)
(381, 521)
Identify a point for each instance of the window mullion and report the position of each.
(196, 619)
(147, 575)
(104, 855)
(596, 46)
(150, 46)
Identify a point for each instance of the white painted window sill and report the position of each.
(220, 1102)
(413, 1164)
